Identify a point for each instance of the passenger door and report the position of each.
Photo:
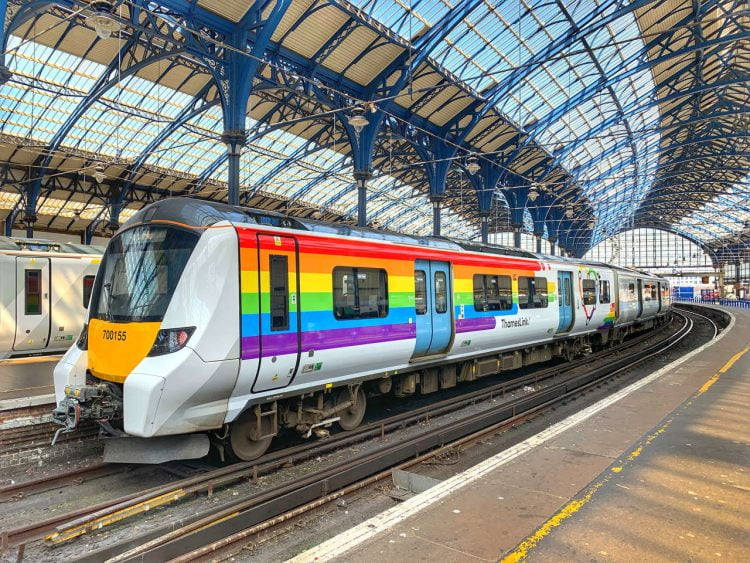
(32, 303)
(640, 298)
(432, 307)
(280, 323)
(565, 301)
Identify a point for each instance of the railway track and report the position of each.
(556, 384)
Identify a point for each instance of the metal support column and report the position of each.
(361, 177)
(5, 73)
(517, 235)
(485, 226)
(552, 246)
(437, 202)
(29, 219)
(538, 243)
(234, 140)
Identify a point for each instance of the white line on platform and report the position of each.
(376, 525)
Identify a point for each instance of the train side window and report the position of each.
(524, 293)
(359, 293)
(88, 287)
(589, 292)
(480, 293)
(441, 292)
(532, 293)
(647, 292)
(631, 292)
(492, 293)
(420, 292)
(654, 293)
(604, 291)
(279, 273)
(541, 299)
(33, 292)
(505, 291)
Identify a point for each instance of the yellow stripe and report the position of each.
(725, 368)
(316, 283)
(522, 550)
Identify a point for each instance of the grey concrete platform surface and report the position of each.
(27, 377)
(658, 473)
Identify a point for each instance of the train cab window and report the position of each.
(279, 274)
(532, 293)
(33, 292)
(589, 292)
(492, 293)
(359, 293)
(604, 291)
(88, 286)
(441, 292)
(420, 292)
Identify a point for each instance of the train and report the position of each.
(216, 324)
(45, 287)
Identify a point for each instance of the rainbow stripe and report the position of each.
(319, 329)
(318, 256)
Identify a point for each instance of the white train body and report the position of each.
(44, 288)
(252, 311)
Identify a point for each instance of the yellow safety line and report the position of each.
(522, 550)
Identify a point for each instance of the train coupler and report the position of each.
(86, 402)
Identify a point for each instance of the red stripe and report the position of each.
(310, 243)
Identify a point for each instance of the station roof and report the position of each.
(631, 113)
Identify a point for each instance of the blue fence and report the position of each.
(739, 303)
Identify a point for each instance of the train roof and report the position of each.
(200, 213)
(17, 244)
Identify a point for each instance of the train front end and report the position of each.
(144, 365)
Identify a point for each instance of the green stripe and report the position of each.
(316, 301)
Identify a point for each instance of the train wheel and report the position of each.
(243, 437)
(352, 417)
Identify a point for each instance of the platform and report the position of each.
(659, 471)
(22, 378)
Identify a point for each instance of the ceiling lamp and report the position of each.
(569, 211)
(533, 193)
(592, 224)
(101, 19)
(99, 174)
(358, 120)
(472, 165)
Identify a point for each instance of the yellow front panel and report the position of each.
(116, 348)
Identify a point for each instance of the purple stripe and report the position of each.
(479, 323)
(280, 344)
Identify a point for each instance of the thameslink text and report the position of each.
(523, 321)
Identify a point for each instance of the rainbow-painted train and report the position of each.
(210, 323)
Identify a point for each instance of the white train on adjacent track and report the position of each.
(45, 287)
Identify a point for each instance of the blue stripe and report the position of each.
(324, 320)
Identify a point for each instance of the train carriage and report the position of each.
(213, 320)
(44, 292)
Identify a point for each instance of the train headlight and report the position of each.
(170, 340)
(83, 339)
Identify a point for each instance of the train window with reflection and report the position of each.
(441, 292)
(88, 286)
(492, 293)
(532, 293)
(604, 291)
(589, 292)
(647, 292)
(360, 293)
(279, 280)
(420, 292)
(33, 292)
(631, 292)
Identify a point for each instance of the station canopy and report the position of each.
(596, 116)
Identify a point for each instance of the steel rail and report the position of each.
(214, 525)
